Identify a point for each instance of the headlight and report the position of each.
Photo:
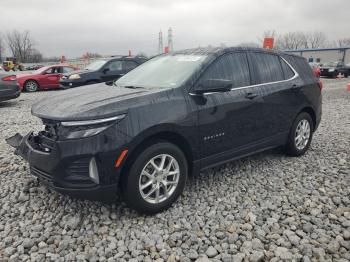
(331, 70)
(74, 76)
(86, 128)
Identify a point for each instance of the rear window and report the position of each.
(267, 68)
(287, 71)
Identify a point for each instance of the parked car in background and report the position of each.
(176, 114)
(102, 70)
(46, 77)
(316, 69)
(333, 69)
(9, 88)
(34, 67)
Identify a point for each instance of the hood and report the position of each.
(80, 72)
(89, 102)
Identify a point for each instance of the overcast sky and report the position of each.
(72, 27)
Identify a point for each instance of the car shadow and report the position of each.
(10, 103)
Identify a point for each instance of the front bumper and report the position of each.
(64, 165)
(9, 92)
(67, 83)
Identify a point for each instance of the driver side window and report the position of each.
(232, 66)
(115, 66)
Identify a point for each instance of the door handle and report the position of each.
(251, 95)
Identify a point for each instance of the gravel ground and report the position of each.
(264, 207)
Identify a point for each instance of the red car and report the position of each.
(46, 77)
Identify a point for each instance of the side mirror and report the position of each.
(214, 86)
(105, 70)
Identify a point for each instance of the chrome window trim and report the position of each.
(296, 75)
(92, 122)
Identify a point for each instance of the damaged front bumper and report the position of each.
(78, 167)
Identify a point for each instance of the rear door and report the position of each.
(280, 89)
(229, 123)
(112, 71)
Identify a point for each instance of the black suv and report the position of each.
(101, 70)
(172, 116)
(333, 69)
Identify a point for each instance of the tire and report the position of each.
(31, 86)
(346, 74)
(304, 130)
(143, 173)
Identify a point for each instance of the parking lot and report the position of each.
(264, 207)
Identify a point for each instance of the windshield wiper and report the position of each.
(132, 87)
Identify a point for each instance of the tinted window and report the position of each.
(129, 65)
(232, 67)
(115, 65)
(267, 68)
(67, 69)
(53, 70)
(288, 72)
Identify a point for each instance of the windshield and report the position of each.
(331, 64)
(96, 65)
(41, 70)
(166, 71)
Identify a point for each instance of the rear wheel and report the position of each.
(31, 86)
(156, 178)
(300, 135)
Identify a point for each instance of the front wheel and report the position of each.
(155, 179)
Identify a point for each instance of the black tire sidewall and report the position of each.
(130, 181)
(29, 81)
(291, 147)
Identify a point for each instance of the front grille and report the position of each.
(43, 176)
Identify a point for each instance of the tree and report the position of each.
(316, 39)
(292, 41)
(343, 42)
(34, 56)
(2, 48)
(20, 44)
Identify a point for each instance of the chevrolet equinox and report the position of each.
(172, 116)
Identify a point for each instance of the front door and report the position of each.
(51, 77)
(228, 123)
(112, 71)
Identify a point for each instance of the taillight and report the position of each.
(320, 84)
(9, 78)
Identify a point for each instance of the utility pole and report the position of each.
(160, 43)
(170, 40)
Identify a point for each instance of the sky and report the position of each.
(73, 27)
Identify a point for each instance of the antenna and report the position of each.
(160, 42)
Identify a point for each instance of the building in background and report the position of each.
(323, 55)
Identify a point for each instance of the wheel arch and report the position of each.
(30, 79)
(312, 113)
(167, 136)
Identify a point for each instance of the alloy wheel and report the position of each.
(31, 86)
(302, 134)
(159, 178)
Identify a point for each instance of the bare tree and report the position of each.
(343, 42)
(35, 56)
(292, 41)
(20, 44)
(316, 39)
(2, 47)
